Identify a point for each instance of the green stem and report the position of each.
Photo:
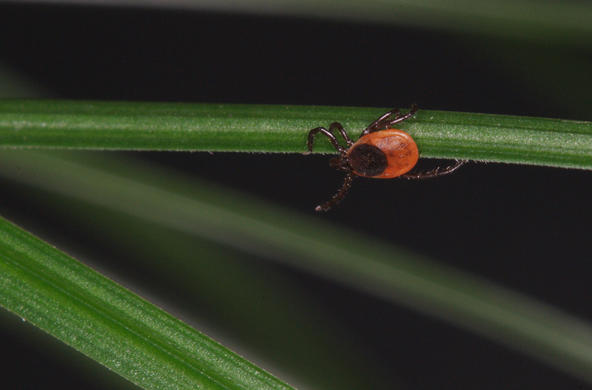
(111, 325)
(258, 128)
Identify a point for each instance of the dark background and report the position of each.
(523, 227)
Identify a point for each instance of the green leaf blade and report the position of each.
(343, 256)
(283, 129)
(111, 325)
(503, 138)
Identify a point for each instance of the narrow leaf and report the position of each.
(256, 128)
(518, 321)
(112, 325)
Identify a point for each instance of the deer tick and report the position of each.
(381, 152)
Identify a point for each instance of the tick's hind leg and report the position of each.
(349, 178)
(438, 171)
(389, 119)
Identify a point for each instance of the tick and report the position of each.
(381, 152)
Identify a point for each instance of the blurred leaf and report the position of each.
(254, 309)
(517, 321)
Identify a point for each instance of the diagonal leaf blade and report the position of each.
(112, 325)
(497, 313)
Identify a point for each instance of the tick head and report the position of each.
(341, 163)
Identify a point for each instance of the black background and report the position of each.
(523, 227)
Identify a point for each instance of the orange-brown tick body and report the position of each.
(385, 154)
(381, 152)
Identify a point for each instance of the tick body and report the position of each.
(381, 152)
(384, 154)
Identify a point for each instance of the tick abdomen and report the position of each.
(383, 154)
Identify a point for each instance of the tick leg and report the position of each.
(389, 119)
(337, 126)
(377, 124)
(349, 178)
(400, 118)
(438, 171)
(332, 139)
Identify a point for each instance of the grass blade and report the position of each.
(539, 330)
(223, 288)
(256, 128)
(110, 324)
